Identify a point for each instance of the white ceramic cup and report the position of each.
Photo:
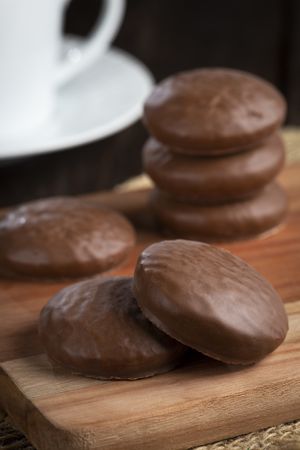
(31, 65)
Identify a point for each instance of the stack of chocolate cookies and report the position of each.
(214, 153)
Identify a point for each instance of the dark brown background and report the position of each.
(261, 36)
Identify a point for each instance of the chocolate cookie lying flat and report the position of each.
(209, 300)
(63, 237)
(232, 221)
(213, 111)
(95, 328)
(213, 180)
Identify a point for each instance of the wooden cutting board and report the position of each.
(204, 401)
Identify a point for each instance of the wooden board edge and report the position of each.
(36, 427)
(32, 423)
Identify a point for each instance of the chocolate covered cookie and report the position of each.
(232, 221)
(209, 180)
(63, 237)
(213, 111)
(96, 328)
(209, 300)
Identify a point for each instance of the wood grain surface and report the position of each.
(199, 403)
(203, 401)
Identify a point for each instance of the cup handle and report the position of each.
(105, 31)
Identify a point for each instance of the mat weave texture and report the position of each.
(282, 437)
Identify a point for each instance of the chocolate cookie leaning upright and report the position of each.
(209, 300)
(63, 237)
(213, 111)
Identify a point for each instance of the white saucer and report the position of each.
(104, 100)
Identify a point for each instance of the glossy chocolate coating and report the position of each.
(210, 300)
(232, 221)
(210, 180)
(63, 237)
(96, 328)
(213, 111)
